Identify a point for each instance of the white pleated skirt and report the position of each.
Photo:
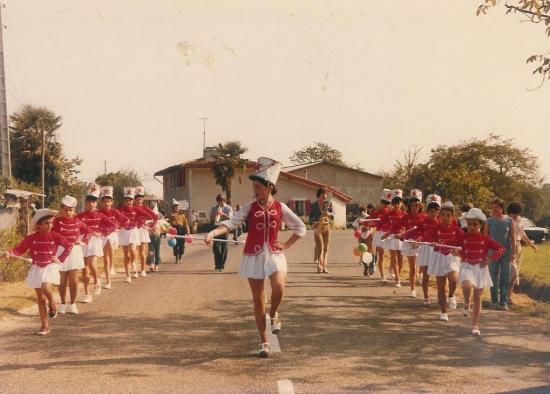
(38, 275)
(74, 261)
(479, 277)
(144, 235)
(425, 256)
(112, 239)
(392, 243)
(262, 265)
(128, 237)
(408, 250)
(376, 240)
(94, 247)
(443, 264)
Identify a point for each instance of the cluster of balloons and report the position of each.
(165, 227)
(172, 241)
(358, 234)
(363, 251)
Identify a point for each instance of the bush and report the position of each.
(11, 270)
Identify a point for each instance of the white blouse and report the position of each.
(289, 218)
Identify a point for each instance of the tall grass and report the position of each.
(11, 270)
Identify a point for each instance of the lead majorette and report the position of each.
(263, 253)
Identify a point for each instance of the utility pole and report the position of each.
(105, 167)
(5, 156)
(43, 167)
(203, 132)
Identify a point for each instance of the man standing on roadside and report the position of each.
(218, 213)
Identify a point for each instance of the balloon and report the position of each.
(356, 252)
(172, 231)
(188, 240)
(171, 242)
(366, 258)
(362, 248)
(357, 234)
(166, 226)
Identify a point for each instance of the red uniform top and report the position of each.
(392, 218)
(409, 221)
(145, 214)
(382, 224)
(427, 229)
(71, 229)
(450, 235)
(116, 217)
(43, 247)
(136, 216)
(95, 220)
(263, 227)
(475, 248)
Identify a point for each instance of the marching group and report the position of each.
(471, 250)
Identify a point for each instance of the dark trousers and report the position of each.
(179, 249)
(154, 250)
(220, 252)
(500, 275)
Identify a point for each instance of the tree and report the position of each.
(474, 171)
(536, 11)
(118, 180)
(27, 126)
(321, 151)
(228, 160)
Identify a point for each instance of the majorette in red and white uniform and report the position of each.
(407, 222)
(146, 218)
(261, 257)
(475, 249)
(117, 219)
(382, 224)
(75, 232)
(42, 247)
(428, 226)
(444, 261)
(94, 219)
(392, 220)
(130, 233)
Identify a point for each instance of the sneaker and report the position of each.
(43, 332)
(71, 308)
(465, 312)
(413, 293)
(113, 271)
(136, 275)
(475, 331)
(443, 317)
(452, 303)
(325, 271)
(62, 308)
(384, 280)
(87, 299)
(143, 274)
(97, 290)
(264, 350)
(128, 279)
(52, 314)
(107, 286)
(392, 275)
(504, 308)
(276, 324)
(426, 302)
(398, 284)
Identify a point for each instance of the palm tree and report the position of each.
(228, 160)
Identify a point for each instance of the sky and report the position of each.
(371, 78)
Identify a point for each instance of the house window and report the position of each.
(300, 207)
(173, 181)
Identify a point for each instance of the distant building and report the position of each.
(363, 187)
(194, 182)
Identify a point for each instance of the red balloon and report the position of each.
(172, 231)
(188, 240)
(357, 234)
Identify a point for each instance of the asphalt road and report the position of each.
(189, 329)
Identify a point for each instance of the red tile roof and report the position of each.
(197, 163)
(342, 196)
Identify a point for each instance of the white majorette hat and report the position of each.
(397, 193)
(92, 190)
(416, 194)
(448, 205)
(69, 201)
(175, 202)
(386, 195)
(41, 213)
(268, 171)
(476, 213)
(107, 191)
(129, 192)
(156, 209)
(139, 191)
(433, 198)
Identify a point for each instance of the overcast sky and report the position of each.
(371, 78)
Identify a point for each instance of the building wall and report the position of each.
(362, 187)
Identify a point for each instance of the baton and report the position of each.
(204, 238)
(19, 257)
(403, 233)
(433, 244)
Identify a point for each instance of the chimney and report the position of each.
(209, 153)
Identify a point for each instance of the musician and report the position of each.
(319, 217)
(218, 213)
